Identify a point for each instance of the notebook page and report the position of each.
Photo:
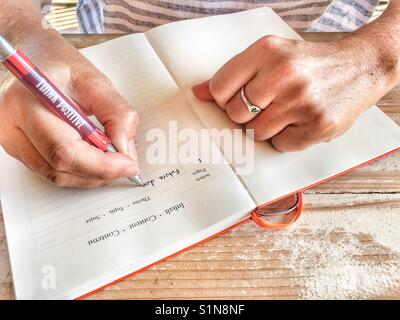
(89, 238)
(194, 50)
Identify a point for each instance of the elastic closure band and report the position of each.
(258, 215)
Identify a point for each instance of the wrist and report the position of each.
(375, 58)
(20, 20)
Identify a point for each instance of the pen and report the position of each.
(52, 97)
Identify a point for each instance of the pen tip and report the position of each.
(137, 180)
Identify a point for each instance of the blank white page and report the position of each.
(89, 238)
(194, 50)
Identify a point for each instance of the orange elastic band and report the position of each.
(257, 217)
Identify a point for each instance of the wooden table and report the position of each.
(346, 245)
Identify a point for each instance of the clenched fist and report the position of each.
(308, 92)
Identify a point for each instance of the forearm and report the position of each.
(20, 19)
(21, 22)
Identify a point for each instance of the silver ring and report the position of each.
(268, 212)
(251, 107)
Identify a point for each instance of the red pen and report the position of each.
(52, 97)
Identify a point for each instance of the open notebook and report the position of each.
(64, 243)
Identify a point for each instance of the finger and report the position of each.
(62, 147)
(31, 158)
(202, 91)
(275, 118)
(27, 153)
(232, 76)
(259, 91)
(99, 97)
(68, 180)
(295, 138)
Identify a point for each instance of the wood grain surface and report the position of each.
(344, 245)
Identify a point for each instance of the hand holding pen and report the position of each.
(64, 146)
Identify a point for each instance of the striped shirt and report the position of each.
(127, 16)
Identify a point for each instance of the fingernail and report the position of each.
(131, 171)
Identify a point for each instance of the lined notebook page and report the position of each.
(93, 237)
(219, 38)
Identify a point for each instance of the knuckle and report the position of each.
(106, 183)
(234, 114)
(62, 158)
(111, 174)
(326, 124)
(258, 136)
(56, 178)
(98, 83)
(289, 68)
(254, 131)
(98, 78)
(9, 91)
(278, 145)
(106, 174)
(215, 87)
(43, 168)
(305, 90)
(282, 145)
(269, 42)
(36, 118)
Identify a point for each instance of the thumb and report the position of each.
(202, 91)
(120, 120)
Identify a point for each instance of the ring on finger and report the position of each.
(252, 108)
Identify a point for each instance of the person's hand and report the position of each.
(309, 92)
(44, 143)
